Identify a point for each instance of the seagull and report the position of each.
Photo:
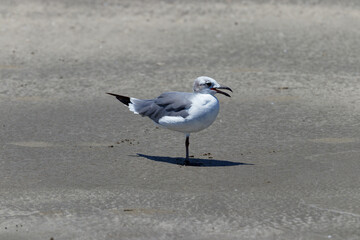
(181, 111)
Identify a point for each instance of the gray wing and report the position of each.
(167, 104)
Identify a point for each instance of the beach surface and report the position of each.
(281, 161)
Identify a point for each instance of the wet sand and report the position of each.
(280, 162)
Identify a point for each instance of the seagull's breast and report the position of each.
(202, 113)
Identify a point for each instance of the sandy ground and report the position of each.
(282, 160)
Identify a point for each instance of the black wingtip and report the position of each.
(125, 100)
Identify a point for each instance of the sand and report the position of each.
(280, 162)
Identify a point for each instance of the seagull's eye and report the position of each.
(208, 84)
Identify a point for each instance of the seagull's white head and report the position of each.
(207, 85)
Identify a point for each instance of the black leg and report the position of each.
(187, 162)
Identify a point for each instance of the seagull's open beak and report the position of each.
(222, 87)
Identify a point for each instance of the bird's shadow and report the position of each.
(194, 162)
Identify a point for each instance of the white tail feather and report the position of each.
(132, 106)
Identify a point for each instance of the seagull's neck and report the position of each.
(204, 93)
(205, 97)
